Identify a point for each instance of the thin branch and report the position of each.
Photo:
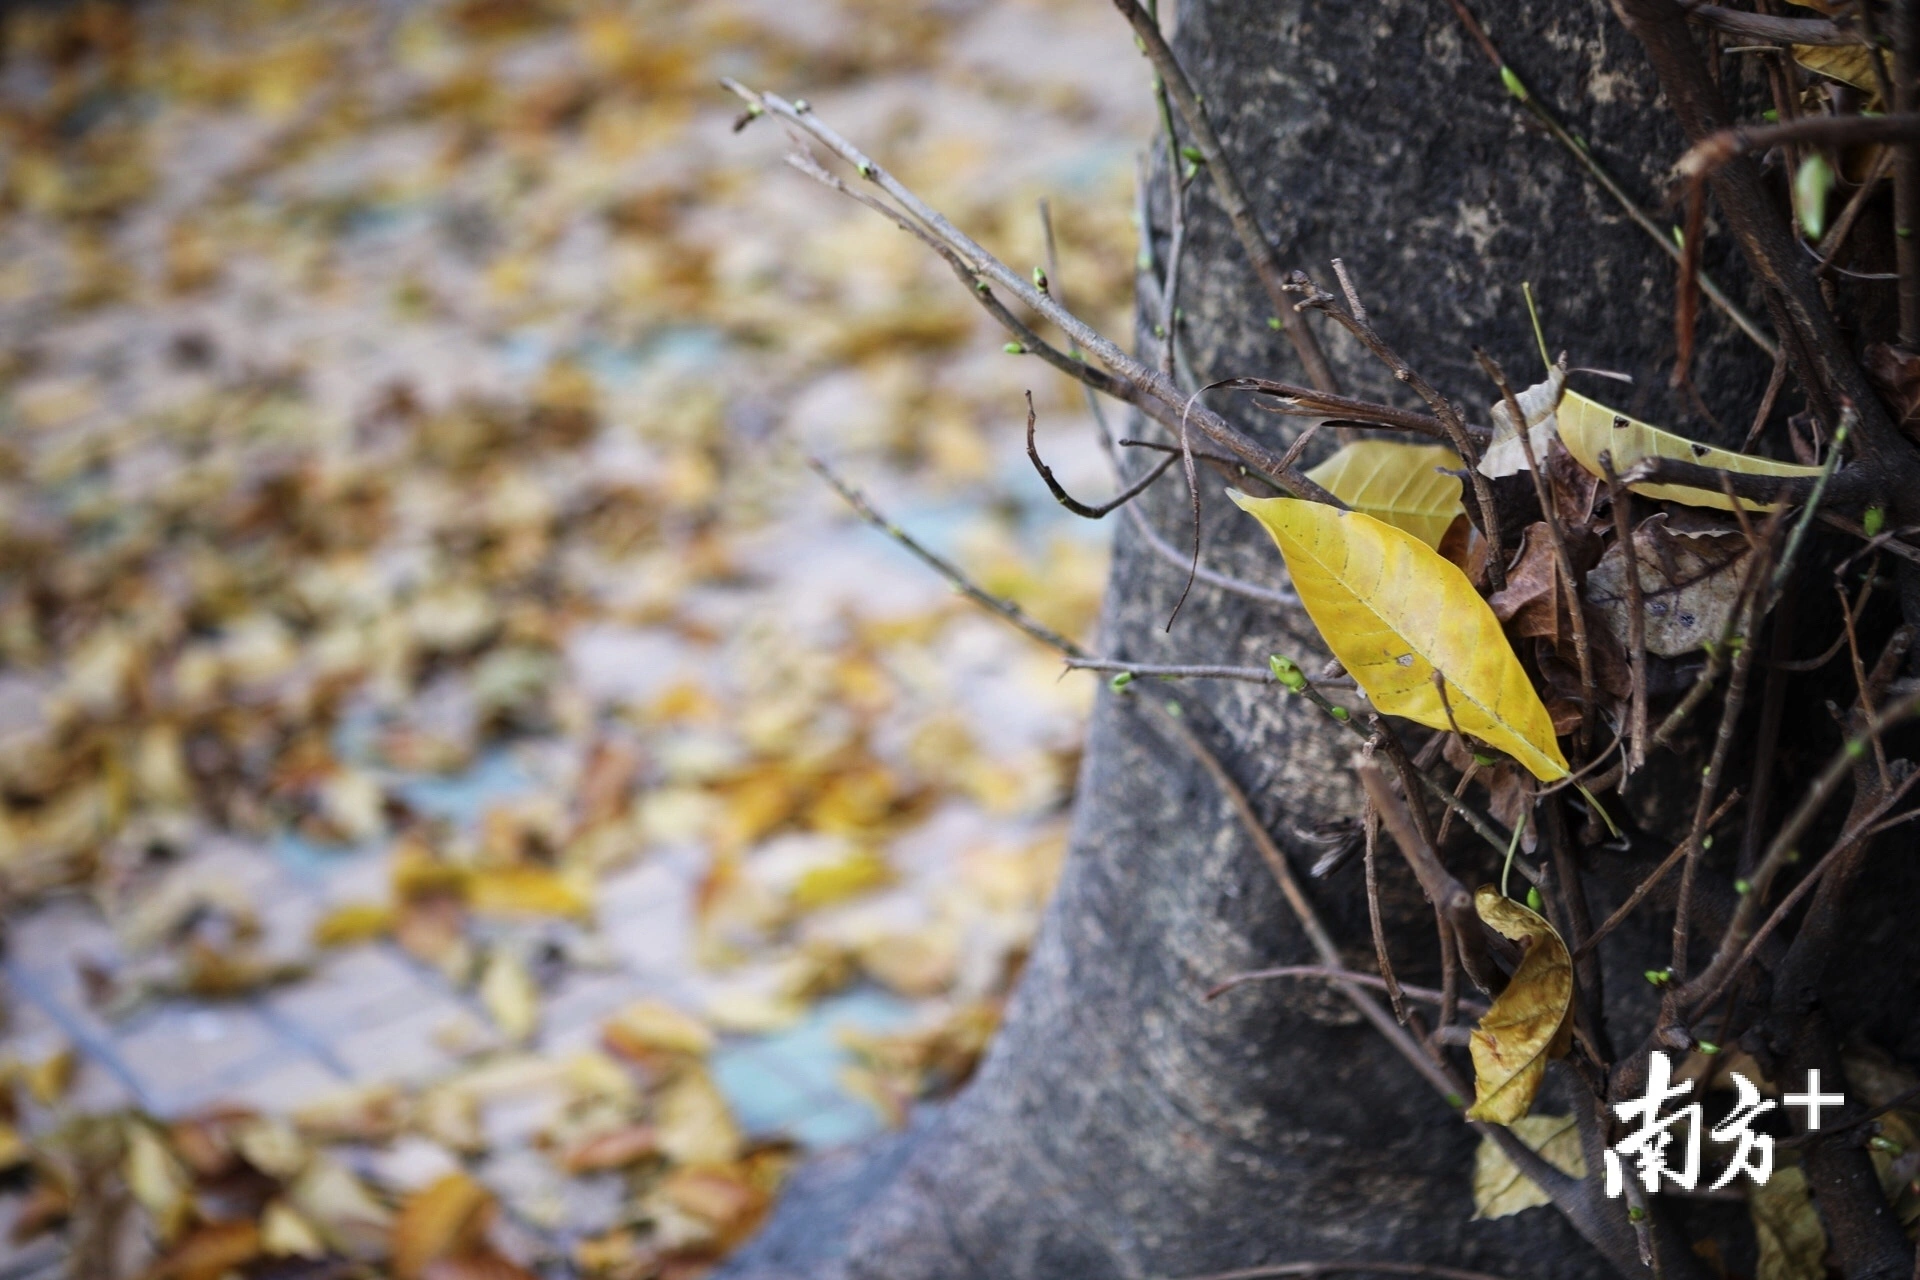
(1006, 609)
(1067, 500)
(1213, 578)
(1318, 299)
(1426, 994)
(1250, 675)
(1439, 884)
(1550, 513)
(1147, 389)
(1652, 881)
(1622, 500)
(1349, 1267)
(1308, 402)
(1783, 849)
(1760, 26)
(1226, 186)
(1370, 831)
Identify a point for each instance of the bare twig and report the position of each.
(1226, 185)
(1652, 881)
(1250, 675)
(1067, 500)
(1636, 612)
(1318, 299)
(1782, 849)
(1006, 609)
(1425, 994)
(1761, 26)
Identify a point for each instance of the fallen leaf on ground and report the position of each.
(511, 998)
(1395, 613)
(1500, 1189)
(1529, 1022)
(446, 1218)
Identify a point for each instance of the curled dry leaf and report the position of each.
(1529, 1022)
(1689, 583)
(1406, 485)
(446, 1218)
(1500, 1189)
(1506, 455)
(1589, 428)
(1395, 613)
(1896, 372)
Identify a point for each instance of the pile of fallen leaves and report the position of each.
(372, 378)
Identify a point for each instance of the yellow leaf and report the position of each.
(211, 1251)
(49, 1079)
(1394, 612)
(692, 1121)
(1792, 1243)
(1402, 484)
(158, 1181)
(1500, 1189)
(285, 1234)
(656, 1025)
(859, 871)
(529, 891)
(352, 922)
(507, 990)
(444, 1218)
(1529, 1022)
(1848, 63)
(1587, 428)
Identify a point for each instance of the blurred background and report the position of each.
(472, 803)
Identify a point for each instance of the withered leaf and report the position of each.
(1500, 1189)
(1689, 582)
(1792, 1241)
(446, 1218)
(1529, 1021)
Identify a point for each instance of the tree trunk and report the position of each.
(1120, 1125)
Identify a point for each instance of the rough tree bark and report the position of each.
(1120, 1126)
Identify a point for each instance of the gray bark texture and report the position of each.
(1121, 1127)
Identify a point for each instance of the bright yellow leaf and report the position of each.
(1529, 1022)
(1402, 484)
(1394, 612)
(1587, 428)
(529, 891)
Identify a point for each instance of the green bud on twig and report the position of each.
(1120, 682)
(1535, 902)
(1636, 1212)
(1287, 673)
(1515, 85)
(1874, 521)
(1040, 279)
(1659, 977)
(1707, 1047)
(1742, 887)
(1340, 713)
(1193, 155)
(1015, 349)
(1275, 323)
